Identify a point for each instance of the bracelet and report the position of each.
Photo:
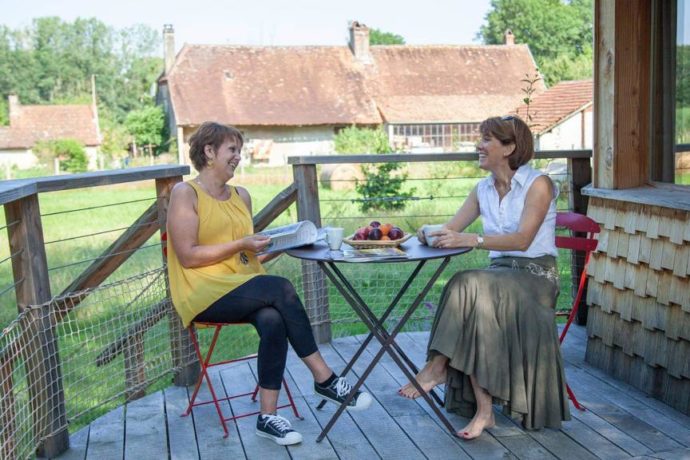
(480, 240)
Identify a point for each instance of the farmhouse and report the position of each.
(30, 124)
(292, 100)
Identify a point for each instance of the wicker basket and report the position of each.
(369, 244)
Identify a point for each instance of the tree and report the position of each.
(558, 32)
(379, 37)
(146, 126)
(381, 188)
(53, 61)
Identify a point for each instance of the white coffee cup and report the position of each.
(427, 230)
(334, 237)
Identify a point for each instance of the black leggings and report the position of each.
(271, 304)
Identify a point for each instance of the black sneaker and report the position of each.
(278, 429)
(338, 391)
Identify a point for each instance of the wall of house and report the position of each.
(568, 134)
(273, 145)
(639, 295)
(21, 158)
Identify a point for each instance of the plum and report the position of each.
(395, 233)
(374, 223)
(375, 234)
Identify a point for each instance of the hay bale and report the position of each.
(340, 176)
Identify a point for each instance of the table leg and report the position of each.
(379, 323)
(388, 344)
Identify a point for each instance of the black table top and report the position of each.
(320, 252)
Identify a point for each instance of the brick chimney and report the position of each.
(509, 38)
(168, 47)
(359, 41)
(14, 106)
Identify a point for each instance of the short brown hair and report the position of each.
(211, 133)
(511, 130)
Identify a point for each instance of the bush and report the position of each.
(381, 189)
(69, 152)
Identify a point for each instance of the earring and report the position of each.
(210, 163)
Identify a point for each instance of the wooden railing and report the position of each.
(30, 271)
(32, 286)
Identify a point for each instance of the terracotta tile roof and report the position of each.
(316, 85)
(290, 86)
(449, 83)
(558, 103)
(32, 123)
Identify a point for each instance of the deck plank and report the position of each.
(621, 421)
(181, 435)
(209, 432)
(382, 430)
(426, 433)
(240, 379)
(346, 437)
(107, 436)
(78, 443)
(145, 431)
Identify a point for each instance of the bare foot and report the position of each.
(477, 425)
(427, 378)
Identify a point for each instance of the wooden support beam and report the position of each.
(40, 350)
(315, 292)
(622, 79)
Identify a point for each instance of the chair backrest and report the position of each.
(577, 223)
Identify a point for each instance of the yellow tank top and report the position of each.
(193, 290)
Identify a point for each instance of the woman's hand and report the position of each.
(255, 243)
(446, 238)
(420, 235)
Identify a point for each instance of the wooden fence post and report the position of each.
(581, 175)
(181, 347)
(32, 287)
(313, 280)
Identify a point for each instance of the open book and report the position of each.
(373, 254)
(291, 236)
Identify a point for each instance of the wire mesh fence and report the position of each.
(114, 343)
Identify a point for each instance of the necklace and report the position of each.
(224, 194)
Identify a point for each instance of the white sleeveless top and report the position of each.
(504, 217)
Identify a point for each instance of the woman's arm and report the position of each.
(183, 228)
(244, 194)
(536, 206)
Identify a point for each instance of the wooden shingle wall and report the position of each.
(639, 296)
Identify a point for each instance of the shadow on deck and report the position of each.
(620, 422)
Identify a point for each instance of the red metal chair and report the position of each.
(581, 224)
(205, 363)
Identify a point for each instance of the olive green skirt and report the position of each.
(498, 324)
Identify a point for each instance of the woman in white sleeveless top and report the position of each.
(494, 338)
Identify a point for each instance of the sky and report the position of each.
(269, 22)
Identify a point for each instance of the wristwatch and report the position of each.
(480, 240)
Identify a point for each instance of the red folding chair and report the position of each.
(205, 363)
(581, 224)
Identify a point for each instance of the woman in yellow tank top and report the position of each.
(216, 276)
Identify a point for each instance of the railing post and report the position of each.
(183, 355)
(32, 287)
(581, 174)
(313, 280)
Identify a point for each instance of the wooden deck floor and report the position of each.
(620, 422)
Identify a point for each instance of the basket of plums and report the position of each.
(377, 235)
